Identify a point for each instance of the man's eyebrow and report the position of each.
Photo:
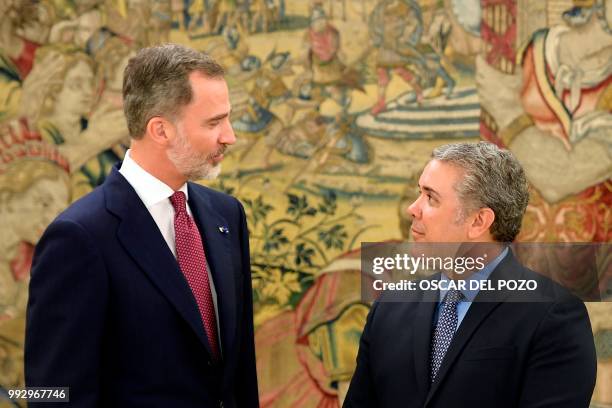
(430, 190)
(218, 117)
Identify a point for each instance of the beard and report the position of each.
(192, 164)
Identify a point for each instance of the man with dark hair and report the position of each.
(140, 293)
(475, 348)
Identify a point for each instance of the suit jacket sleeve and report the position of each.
(361, 392)
(66, 313)
(562, 365)
(246, 380)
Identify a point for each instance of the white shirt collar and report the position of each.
(150, 189)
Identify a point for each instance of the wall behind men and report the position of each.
(337, 105)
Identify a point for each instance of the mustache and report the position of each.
(220, 151)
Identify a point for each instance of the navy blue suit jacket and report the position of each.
(111, 316)
(512, 349)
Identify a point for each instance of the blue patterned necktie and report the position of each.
(445, 330)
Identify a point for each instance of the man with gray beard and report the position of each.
(141, 291)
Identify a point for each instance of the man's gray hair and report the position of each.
(156, 83)
(492, 178)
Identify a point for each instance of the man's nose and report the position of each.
(414, 209)
(228, 137)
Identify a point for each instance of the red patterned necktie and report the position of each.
(192, 261)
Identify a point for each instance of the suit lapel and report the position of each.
(141, 238)
(422, 339)
(483, 305)
(476, 314)
(219, 257)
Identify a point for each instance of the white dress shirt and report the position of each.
(155, 195)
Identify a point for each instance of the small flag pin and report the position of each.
(224, 230)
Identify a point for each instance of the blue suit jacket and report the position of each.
(513, 349)
(111, 316)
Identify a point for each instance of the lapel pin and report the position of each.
(224, 230)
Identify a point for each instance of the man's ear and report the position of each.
(160, 130)
(481, 223)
